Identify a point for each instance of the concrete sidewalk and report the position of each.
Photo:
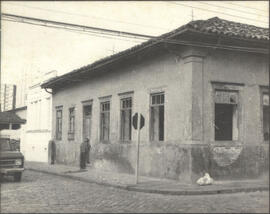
(147, 184)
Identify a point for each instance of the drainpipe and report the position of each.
(48, 91)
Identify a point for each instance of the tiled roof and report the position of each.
(10, 117)
(231, 29)
(213, 26)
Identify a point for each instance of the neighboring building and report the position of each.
(8, 97)
(203, 90)
(39, 109)
(12, 125)
(21, 132)
(13, 101)
(10, 121)
(22, 85)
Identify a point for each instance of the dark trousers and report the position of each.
(52, 160)
(82, 160)
(87, 156)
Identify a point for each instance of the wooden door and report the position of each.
(87, 117)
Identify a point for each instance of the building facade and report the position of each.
(38, 131)
(8, 97)
(204, 96)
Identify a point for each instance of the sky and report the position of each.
(33, 50)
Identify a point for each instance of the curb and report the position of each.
(79, 178)
(200, 192)
(156, 191)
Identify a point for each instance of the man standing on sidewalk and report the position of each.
(88, 150)
(83, 151)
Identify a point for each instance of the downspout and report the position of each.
(48, 91)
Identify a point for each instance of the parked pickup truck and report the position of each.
(11, 160)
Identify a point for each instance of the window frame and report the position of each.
(121, 134)
(263, 90)
(155, 93)
(87, 103)
(71, 133)
(230, 87)
(104, 100)
(58, 132)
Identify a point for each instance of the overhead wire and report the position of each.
(221, 6)
(83, 15)
(157, 40)
(214, 11)
(71, 30)
(23, 19)
(246, 6)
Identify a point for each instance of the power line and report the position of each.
(246, 7)
(220, 6)
(94, 17)
(73, 30)
(155, 40)
(30, 20)
(213, 11)
(97, 35)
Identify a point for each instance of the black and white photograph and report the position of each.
(134, 106)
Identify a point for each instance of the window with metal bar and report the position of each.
(71, 124)
(105, 121)
(58, 124)
(125, 114)
(265, 110)
(157, 117)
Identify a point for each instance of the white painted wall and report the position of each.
(38, 134)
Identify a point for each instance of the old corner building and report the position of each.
(203, 90)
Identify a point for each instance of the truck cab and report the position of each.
(11, 159)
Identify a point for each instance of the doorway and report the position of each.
(87, 118)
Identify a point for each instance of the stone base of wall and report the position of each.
(240, 162)
(68, 153)
(185, 163)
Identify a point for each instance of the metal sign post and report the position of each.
(138, 148)
(137, 122)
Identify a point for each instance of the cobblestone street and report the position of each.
(39, 192)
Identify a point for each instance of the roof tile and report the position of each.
(223, 27)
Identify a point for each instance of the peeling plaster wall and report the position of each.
(189, 148)
(165, 72)
(248, 156)
(237, 67)
(240, 163)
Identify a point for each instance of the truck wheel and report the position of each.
(18, 176)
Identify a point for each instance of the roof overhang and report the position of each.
(184, 36)
(10, 118)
